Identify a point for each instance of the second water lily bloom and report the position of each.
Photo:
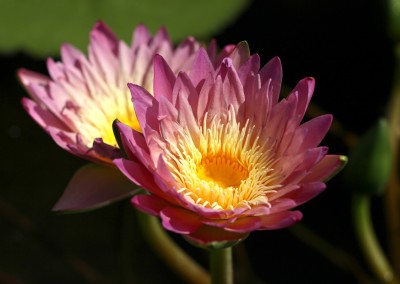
(82, 97)
(219, 154)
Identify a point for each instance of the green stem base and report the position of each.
(221, 266)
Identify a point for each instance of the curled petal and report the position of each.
(150, 204)
(179, 220)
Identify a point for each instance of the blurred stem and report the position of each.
(368, 241)
(168, 251)
(221, 266)
(335, 255)
(392, 194)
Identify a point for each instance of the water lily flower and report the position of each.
(77, 104)
(82, 97)
(219, 154)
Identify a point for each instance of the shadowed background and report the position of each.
(343, 44)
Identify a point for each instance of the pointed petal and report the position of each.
(28, 77)
(280, 220)
(42, 116)
(134, 144)
(184, 86)
(326, 168)
(304, 91)
(309, 134)
(233, 89)
(240, 54)
(140, 36)
(146, 107)
(272, 71)
(202, 67)
(137, 173)
(164, 78)
(250, 67)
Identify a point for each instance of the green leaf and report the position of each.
(39, 27)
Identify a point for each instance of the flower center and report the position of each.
(224, 167)
(97, 116)
(221, 171)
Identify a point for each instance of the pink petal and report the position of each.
(43, 117)
(184, 54)
(141, 36)
(179, 220)
(137, 173)
(295, 167)
(306, 192)
(240, 54)
(70, 55)
(225, 52)
(250, 67)
(326, 168)
(304, 91)
(272, 71)
(233, 89)
(202, 67)
(207, 235)
(160, 38)
(244, 225)
(184, 86)
(283, 203)
(164, 78)
(62, 138)
(150, 204)
(101, 30)
(103, 54)
(94, 186)
(134, 144)
(146, 107)
(307, 135)
(280, 118)
(167, 110)
(186, 117)
(280, 220)
(217, 106)
(106, 150)
(28, 77)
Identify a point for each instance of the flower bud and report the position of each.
(370, 162)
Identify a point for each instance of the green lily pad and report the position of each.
(39, 27)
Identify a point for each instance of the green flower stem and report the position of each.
(392, 194)
(221, 266)
(172, 255)
(368, 241)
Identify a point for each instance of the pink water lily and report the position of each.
(219, 154)
(83, 95)
(77, 104)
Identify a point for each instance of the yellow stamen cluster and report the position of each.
(224, 167)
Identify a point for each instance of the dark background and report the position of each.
(343, 44)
